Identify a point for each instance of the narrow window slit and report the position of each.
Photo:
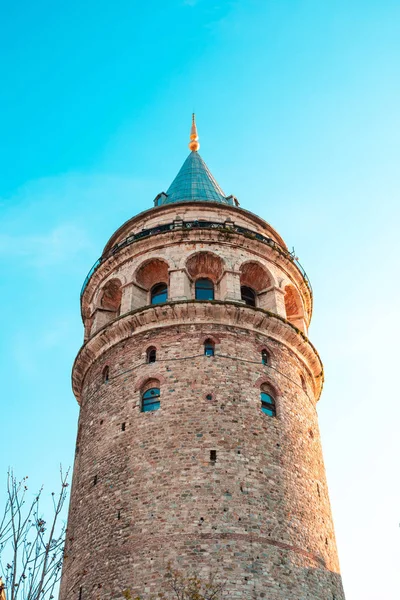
(106, 374)
(123, 427)
(213, 456)
(95, 480)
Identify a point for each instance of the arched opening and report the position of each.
(248, 295)
(267, 397)
(105, 376)
(111, 295)
(294, 307)
(205, 264)
(303, 383)
(209, 347)
(152, 277)
(150, 396)
(151, 354)
(264, 357)
(204, 289)
(205, 269)
(255, 277)
(159, 293)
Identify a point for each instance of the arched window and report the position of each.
(151, 400)
(264, 357)
(159, 293)
(248, 295)
(204, 289)
(268, 406)
(209, 347)
(106, 374)
(151, 355)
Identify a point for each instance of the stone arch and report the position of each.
(144, 383)
(111, 295)
(205, 265)
(293, 306)
(265, 382)
(107, 306)
(151, 272)
(255, 276)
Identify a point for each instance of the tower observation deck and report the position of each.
(198, 443)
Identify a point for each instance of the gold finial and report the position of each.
(194, 138)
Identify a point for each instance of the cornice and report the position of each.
(188, 312)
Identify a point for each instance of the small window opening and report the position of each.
(268, 404)
(151, 400)
(159, 293)
(264, 357)
(204, 289)
(119, 515)
(95, 480)
(209, 397)
(209, 347)
(151, 355)
(248, 295)
(213, 455)
(80, 593)
(106, 374)
(123, 427)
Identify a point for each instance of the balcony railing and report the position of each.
(227, 227)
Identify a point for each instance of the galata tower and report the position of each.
(198, 443)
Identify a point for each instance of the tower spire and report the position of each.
(194, 138)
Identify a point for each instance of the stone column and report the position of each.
(179, 285)
(229, 286)
(273, 300)
(133, 296)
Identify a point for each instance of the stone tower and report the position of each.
(198, 441)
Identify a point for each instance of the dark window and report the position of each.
(264, 357)
(151, 355)
(268, 404)
(151, 400)
(106, 374)
(159, 293)
(209, 348)
(123, 427)
(248, 295)
(204, 289)
(209, 397)
(213, 455)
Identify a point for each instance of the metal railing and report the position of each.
(226, 227)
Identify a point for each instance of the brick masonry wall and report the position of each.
(258, 517)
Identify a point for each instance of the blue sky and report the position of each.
(297, 104)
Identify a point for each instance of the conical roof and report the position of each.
(194, 182)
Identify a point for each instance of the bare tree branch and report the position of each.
(31, 550)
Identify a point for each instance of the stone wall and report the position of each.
(145, 491)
